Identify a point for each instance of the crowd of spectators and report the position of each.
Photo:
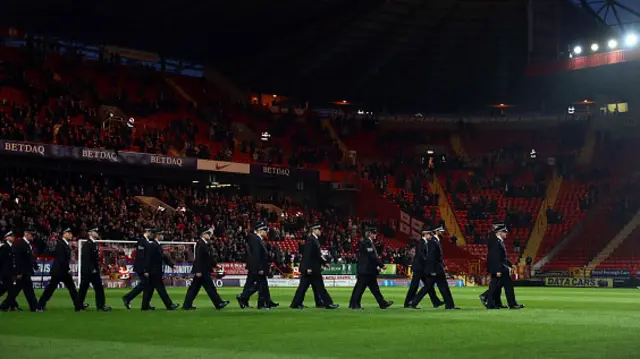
(50, 201)
(67, 111)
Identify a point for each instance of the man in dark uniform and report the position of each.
(418, 267)
(435, 271)
(203, 265)
(90, 270)
(138, 267)
(61, 271)
(368, 268)
(25, 264)
(499, 266)
(311, 273)
(258, 267)
(7, 267)
(154, 260)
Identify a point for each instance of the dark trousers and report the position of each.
(96, 282)
(143, 282)
(257, 283)
(317, 299)
(496, 286)
(206, 282)
(443, 286)
(155, 284)
(6, 283)
(68, 282)
(24, 285)
(317, 284)
(496, 297)
(413, 290)
(363, 282)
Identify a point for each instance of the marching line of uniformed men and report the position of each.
(17, 264)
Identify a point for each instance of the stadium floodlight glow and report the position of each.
(631, 40)
(577, 50)
(612, 44)
(594, 47)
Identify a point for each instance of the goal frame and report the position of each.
(106, 241)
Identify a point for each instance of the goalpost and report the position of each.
(106, 241)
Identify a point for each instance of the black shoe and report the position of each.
(517, 306)
(43, 308)
(386, 304)
(413, 306)
(150, 309)
(332, 306)
(356, 308)
(188, 308)
(222, 304)
(173, 307)
(502, 306)
(264, 308)
(105, 309)
(452, 308)
(85, 305)
(274, 305)
(438, 305)
(297, 306)
(126, 302)
(242, 302)
(484, 301)
(494, 308)
(80, 310)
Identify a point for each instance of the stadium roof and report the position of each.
(410, 54)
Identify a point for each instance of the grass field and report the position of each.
(557, 323)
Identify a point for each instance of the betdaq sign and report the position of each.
(24, 148)
(284, 172)
(95, 154)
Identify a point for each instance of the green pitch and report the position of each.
(557, 323)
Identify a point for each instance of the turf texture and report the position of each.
(557, 323)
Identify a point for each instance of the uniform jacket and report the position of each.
(435, 258)
(419, 263)
(90, 258)
(497, 256)
(155, 258)
(25, 258)
(61, 259)
(368, 262)
(312, 256)
(204, 261)
(258, 257)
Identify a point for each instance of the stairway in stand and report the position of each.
(540, 226)
(458, 148)
(446, 212)
(588, 148)
(177, 88)
(615, 242)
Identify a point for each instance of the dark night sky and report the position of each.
(624, 15)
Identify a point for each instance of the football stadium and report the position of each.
(319, 179)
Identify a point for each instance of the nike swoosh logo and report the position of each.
(219, 167)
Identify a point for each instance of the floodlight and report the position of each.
(612, 44)
(577, 50)
(594, 47)
(631, 40)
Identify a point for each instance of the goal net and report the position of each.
(117, 259)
